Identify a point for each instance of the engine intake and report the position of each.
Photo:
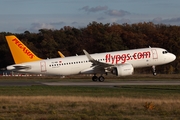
(123, 70)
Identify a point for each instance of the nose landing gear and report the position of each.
(154, 70)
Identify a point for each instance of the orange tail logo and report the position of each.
(19, 51)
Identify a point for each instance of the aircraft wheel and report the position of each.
(154, 73)
(154, 70)
(94, 78)
(101, 79)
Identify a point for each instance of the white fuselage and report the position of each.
(80, 64)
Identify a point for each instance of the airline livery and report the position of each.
(60, 54)
(119, 63)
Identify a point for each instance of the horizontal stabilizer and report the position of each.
(18, 67)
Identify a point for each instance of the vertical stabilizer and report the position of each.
(19, 51)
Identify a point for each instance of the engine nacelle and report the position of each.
(123, 70)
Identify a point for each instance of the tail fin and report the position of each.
(19, 51)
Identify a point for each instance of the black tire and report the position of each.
(94, 78)
(101, 79)
(154, 73)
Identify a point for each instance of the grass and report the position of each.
(118, 91)
(40, 102)
(87, 108)
(77, 103)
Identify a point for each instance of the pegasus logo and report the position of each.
(23, 48)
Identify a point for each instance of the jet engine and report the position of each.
(123, 70)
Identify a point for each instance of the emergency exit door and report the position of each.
(43, 66)
(154, 54)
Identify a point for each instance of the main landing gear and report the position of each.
(154, 70)
(100, 78)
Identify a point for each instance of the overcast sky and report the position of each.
(17, 16)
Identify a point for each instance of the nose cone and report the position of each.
(172, 57)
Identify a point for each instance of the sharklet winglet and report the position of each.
(88, 55)
(61, 55)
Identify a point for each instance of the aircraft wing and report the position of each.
(95, 62)
(98, 66)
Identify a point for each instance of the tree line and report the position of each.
(98, 37)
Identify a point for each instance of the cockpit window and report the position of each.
(165, 52)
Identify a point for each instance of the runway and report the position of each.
(112, 83)
(19, 83)
(86, 83)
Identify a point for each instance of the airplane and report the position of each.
(119, 63)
